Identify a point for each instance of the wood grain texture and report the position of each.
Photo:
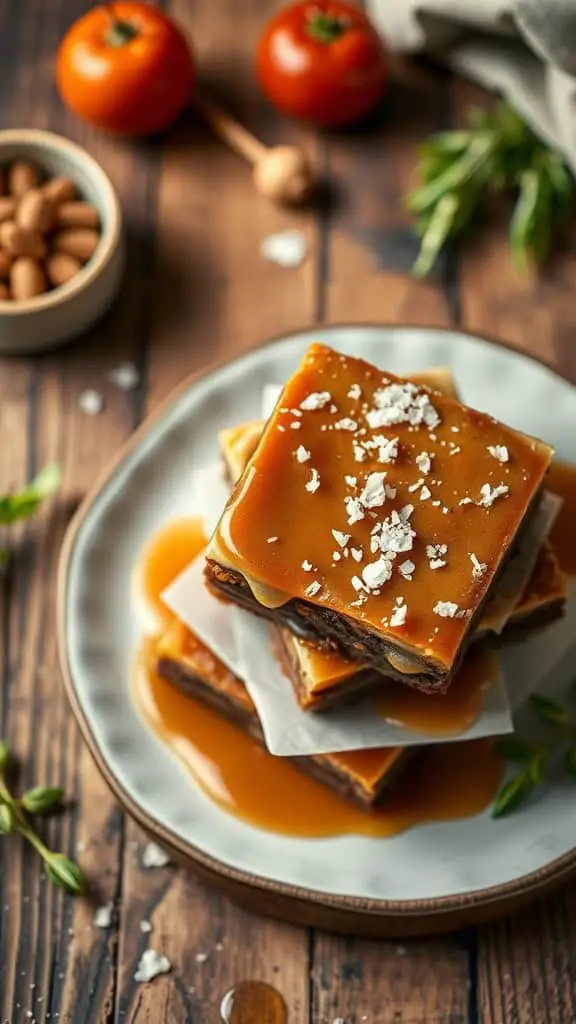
(198, 289)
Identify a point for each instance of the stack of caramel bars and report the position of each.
(383, 528)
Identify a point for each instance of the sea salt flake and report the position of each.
(313, 588)
(398, 617)
(336, 556)
(387, 448)
(391, 492)
(357, 583)
(359, 453)
(376, 573)
(357, 554)
(424, 462)
(490, 494)
(346, 424)
(465, 501)
(455, 430)
(302, 453)
(418, 483)
(286, 248)
(402, 403)
(374, 493)
(355, 391)
(455, 450)
(103, 915)
(201, 958)
(315, 400)
(499, 452)
(341, 538)
(406, 569)
(478, 567)
(354, 510)
(271, 540)
(314, 481)
(351, 480)
(125, 376)
(425, 493)
(397, 535)
(151, 965)
(446, 609)
(307, 566)
(295, 425)
(154, 856)
(91, 402)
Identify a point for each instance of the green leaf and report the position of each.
(7, 819)
(4, 755)
(445, 143)
(537, 767)
(42, 799)
(462, 170)
(23, 503)
(437, 231)
(570, 760)
(523, 217)
(548, 710)
(513, 748)
(512, 795)
(65, 872)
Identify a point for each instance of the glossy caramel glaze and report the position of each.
(562, 480)
(301, 502)
(447, 714)
(235, 772)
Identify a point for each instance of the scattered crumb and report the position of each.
(145, 927)
(103, 915)
(154, 857)
(286, 248)
(201, 958)
(151, 965)
(91, 402)
(125, 376)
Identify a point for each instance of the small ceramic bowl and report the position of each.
(59, 315)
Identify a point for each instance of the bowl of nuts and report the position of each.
(61, 241)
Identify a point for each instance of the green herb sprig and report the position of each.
(497, 152)
(534, 760)
(21, 504)
(14, 814)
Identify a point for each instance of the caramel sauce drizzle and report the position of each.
(441, 783)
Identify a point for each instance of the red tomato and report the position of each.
(126, 68)
(322, 61)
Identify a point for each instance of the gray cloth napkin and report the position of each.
(524, 49)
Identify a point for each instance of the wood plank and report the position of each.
(369, 249)
(522, 962)
(53, 960)
(213, 296)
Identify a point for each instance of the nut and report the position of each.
(7, 208)
(19, 241)
(26, 279)
(60, 190)
(77, 214)
(5, 264)
(22, 176)
(79, 242)
(35, 211)
(61, 267)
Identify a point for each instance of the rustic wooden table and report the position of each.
(198, 289)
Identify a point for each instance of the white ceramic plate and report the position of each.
(433, 874)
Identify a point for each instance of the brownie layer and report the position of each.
(326, 769)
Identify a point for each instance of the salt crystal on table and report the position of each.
(201, 958)
(286, 248)
(91, 402)
(154, 857)
(151, 965)
(125, 376)
(103, 915)
(145, 927)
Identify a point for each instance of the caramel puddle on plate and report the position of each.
(253, 1002)
(447, 714)
(562, 481)
(441, 783)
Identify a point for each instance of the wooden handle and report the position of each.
(230, 131)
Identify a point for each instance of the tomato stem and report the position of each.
(120, 32)
(325, 27)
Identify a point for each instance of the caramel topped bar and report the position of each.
(360, 776)
(381, 508)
